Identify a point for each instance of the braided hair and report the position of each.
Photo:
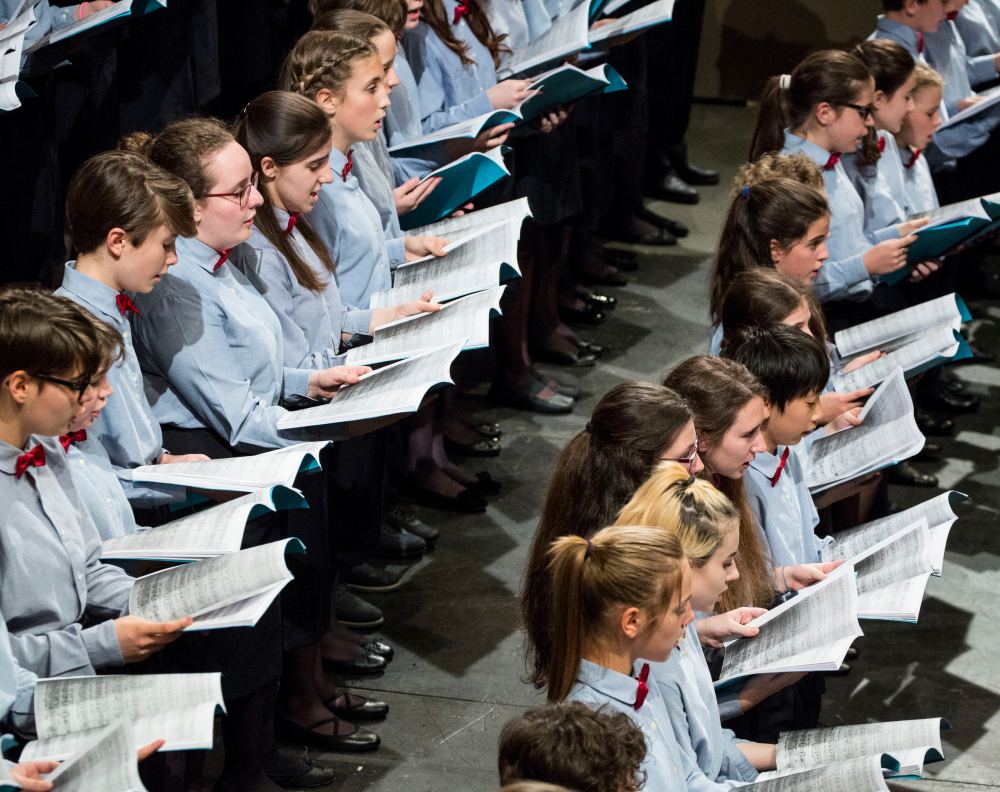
(322, 59)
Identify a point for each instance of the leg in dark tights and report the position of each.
(244, 740)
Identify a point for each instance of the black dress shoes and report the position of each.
(369, 578)
(359, 740)
(364, 663)
(907, 475)
(675, 227)
(697, 176)
(947, 398)
(600, 301)
(676, 190)
(352, 611)
(397, 542)
(403, 517)
(356, 708)
(378, 647)
(590, 315)
(932, 426)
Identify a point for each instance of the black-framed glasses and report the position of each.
(241, 196)
(79, 386)
(863, 110)
(686, 462)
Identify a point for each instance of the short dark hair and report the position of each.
(572, 745)
(789, 363)
(392, 12)
(897, 5)
(46, 335)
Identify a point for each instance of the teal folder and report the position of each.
(461, 181)
(567, 84)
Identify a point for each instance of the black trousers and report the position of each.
(795, 707)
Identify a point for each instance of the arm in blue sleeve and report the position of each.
(981, 68)
(735, 765)
(837, 277)
(446, 116)
(889, 232)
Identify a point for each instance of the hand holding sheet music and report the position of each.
(941, 344)
(656, 13)
(890, 332)
(108, 762)
(568, 34)
(864, 774)
(471, 222)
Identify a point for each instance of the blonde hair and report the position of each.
(797, 167)
(594, 580)
(323, 59)
(926, 77)
(691, 508)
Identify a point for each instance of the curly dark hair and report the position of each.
(574, 746)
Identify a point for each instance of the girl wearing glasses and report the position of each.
(823, 109)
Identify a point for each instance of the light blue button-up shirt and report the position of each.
(881, 189)
(785, 512)
(945, 51)
(350, 225)
(991, 9)
(378, 184)
(211, 351)
(51, 572)
(844, 274)
(978, 32)
(403, 124)
(664, 765)
(918, 184)
(126, 428)
(311, 322)
(450, 91)
(98, 488)
(48, 19)
(17, 689)
(686, 685)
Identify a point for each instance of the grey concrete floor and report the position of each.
(456, 678)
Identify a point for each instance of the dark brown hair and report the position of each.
(184, 149)
(110, 343)
(353, 23)
(717, 390)
(572, 745)
(116, 189)
(632, 425)
(323, 59)
(775, 209)
(829, 76)
(391, 12)
(594, 581)
(45, 335)
(891, 66)
(433, 13)
(288, 128)
(762, 297)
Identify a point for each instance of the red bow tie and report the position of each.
(881, 145)
(832, 162)
(293, 218)
(72, 437)
(460, 11)
(920, 42)
(349, 165)
(952, 16)
(34, 458)
(781, 466)
(125, 304)
(913, 158)
(222, 258)
(640, 694)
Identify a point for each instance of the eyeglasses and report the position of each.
(242, 196)
(80, 386)
(686, 462)
(863, 110)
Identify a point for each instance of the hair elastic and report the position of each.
(745, 192)
(589, 428)
(785, 82)
(590, 549)
(243, 112)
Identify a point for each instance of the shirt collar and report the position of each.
(768, 463)
(9, 455)
(337, 162)
(99, 297)
(902, 34)
(197, 252)
(817, 154)
(609, 683)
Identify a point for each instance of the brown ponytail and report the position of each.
(433, 14)
(288, 128)
(594, 581)
(717, 390)
(829, 76)
(630, 428)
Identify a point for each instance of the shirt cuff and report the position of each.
(102, 645)
(63, 17)
(480, 105)
(358, 321)
(981, 69)
(730, 706)
(397, 251)
(889, 232)
(296, 381)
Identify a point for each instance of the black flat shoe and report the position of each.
(398, 543)
(610, 277)
(466, 502)
(491, 430)
(486, 484)
(583, 316)
(380, 648)
(599, 301)
(529, 400)
(369, 578)
(675, 190)
(399, 515)
(675, 227)
(931, 452)
(579, 359)
(594, 349)
(931, 425)
(312, 777)
(360, 740)
(661, 238)
(352, 611)
(947, 400)
(364, 663)
(696, 176)
(367, 710)
(481, 448)
(906, 475)
(622, 259)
